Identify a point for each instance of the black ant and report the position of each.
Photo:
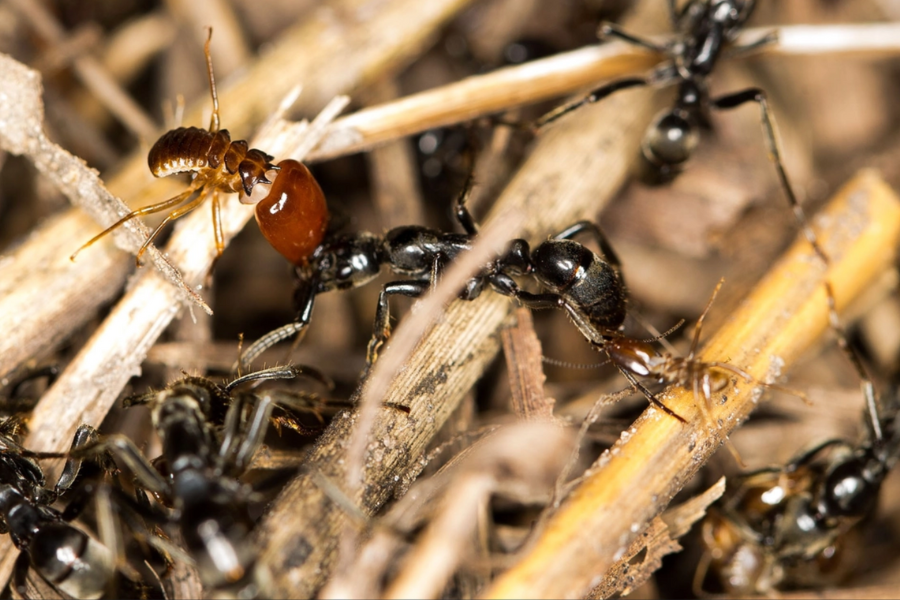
(65, 556)
(218, 165)
(786, 526)
(704, 29)
(202, 462)
(588, 286)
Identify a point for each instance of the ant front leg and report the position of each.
(759, 96)
(124, 449)
(595, 96)
(382, 327)
(462, 211)
(591, 228)
(549, 300)
(304, 298)
(612, 30)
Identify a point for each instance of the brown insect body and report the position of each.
(191, 149)
(218, 164)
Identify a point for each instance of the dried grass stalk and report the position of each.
(781, 318)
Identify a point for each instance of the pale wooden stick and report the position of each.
(566, 73)
(782, 317)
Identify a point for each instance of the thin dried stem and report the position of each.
(567, 73)
(781, 318)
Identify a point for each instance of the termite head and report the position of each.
(292, 215)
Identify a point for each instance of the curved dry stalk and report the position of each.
(567, 73)
(783, 316)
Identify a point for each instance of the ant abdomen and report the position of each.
(293, 217)
(670, 142)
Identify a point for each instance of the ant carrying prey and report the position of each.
(704, 29)
(219, 164)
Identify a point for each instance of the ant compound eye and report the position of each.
(293, 216)
(670, 141)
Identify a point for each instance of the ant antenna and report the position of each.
(571, 365)
(214, 118)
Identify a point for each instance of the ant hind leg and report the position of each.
(759, 96)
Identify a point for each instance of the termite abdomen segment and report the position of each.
(184, 149)
(294, 216)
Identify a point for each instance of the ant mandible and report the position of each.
(218, 165)
(704, 28)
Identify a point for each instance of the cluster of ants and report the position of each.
(769, 528)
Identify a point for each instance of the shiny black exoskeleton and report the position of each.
(588, 286)
(64, 555)
(791, 526)
(704, 29)
(202, 461)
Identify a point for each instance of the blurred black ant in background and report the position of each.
(704, 28)
(65, 556)
(201, 461)
(790, 526)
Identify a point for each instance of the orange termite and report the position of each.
(293, 216)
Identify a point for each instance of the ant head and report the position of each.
(635, 356)
(670, 140)
(851, 488)
(556, 263)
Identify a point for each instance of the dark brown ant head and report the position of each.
(635, 356)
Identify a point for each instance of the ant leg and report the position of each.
(382, 329)
(175, 214)
(608, 29)
(253, 436)
(124, 449)
(808, 455)
(304, 297)
(592, 229)
(462, 211)
(595, 96)
(737, 51)
(548, 300)
(868, 388)
(650, 396)
(20, 574)
(214, 118)
(759, 96)
(699, 325)
(85, 435)
(147, 210)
